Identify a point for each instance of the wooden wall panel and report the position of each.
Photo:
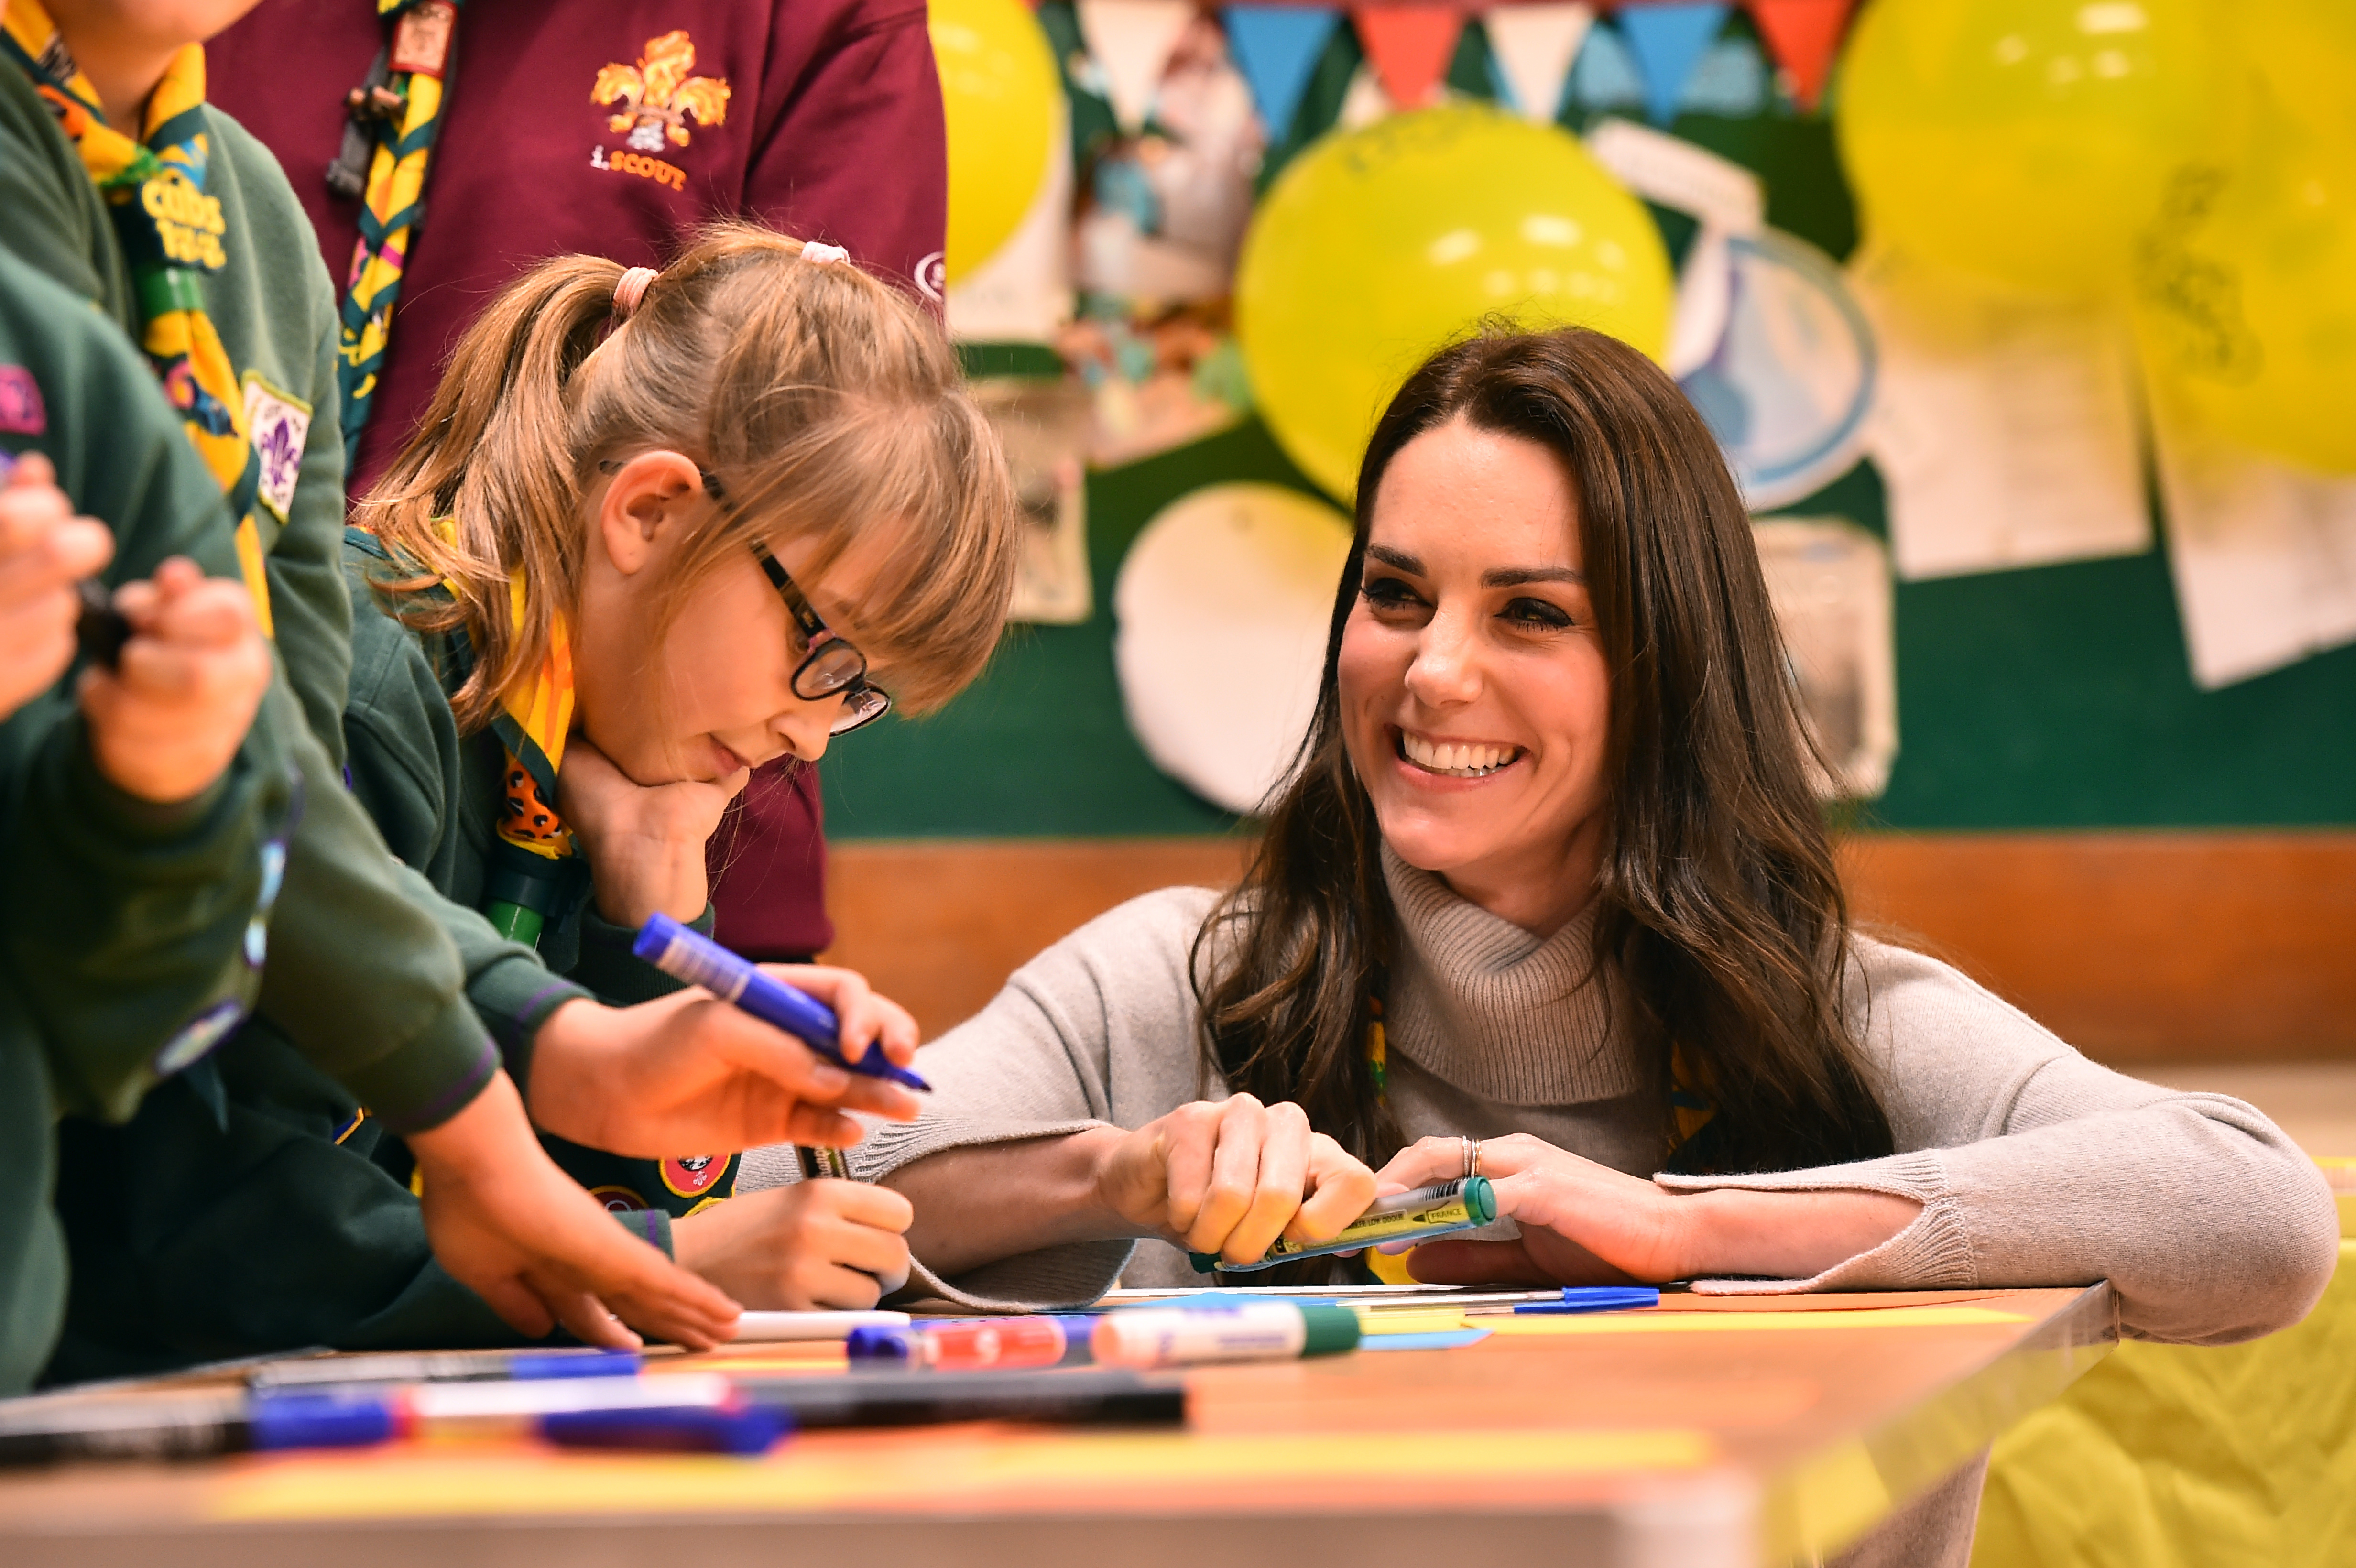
(2133, 946)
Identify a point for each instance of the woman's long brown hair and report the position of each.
(1721, 919)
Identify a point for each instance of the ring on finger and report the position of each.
(1472, 1155)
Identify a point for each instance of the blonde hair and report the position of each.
(825, 401)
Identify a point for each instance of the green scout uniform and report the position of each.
(131, 936)
(438, 799)
(215, 1208)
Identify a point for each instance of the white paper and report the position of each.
(1534, 46)
(2262, 553)
(1830, 582)
(2005, 427)
(1022, 294)
(1725, 199)
(1131, 40)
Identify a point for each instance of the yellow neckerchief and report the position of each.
(533, 720)
(391, 206)
(172, 234)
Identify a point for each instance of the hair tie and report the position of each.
(814, 252)
(630, 290)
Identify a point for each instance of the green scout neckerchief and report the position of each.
(534, 863)
(173, 234)
(396, 115)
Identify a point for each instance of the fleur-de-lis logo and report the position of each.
(658, 96)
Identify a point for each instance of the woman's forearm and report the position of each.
(1784, 1235)
(976, 1205)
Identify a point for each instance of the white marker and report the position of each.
(1195, 1336)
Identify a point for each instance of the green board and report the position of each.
(2050, 698)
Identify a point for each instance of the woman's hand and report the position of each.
(164, 722)
(1230, 1177)
(644, 842)
(1584, 1223)
(689, 1073)
(45, 550)
(802, 1248)
(525, 1237)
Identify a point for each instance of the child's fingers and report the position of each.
(519, 1307)
(32, 469)
(870, 1209)
(211, 611)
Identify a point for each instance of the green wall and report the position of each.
(2055, 697)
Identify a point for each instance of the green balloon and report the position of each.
(1378, 247)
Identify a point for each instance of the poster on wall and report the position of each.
(1830, 581)
(1043, 426)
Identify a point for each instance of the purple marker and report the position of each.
(684, 956)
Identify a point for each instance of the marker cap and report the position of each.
(1329, 1330)
(1479, 1199)
(318, 1421)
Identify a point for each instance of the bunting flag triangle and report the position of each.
(1276, 48)
(1409, 46)
(1802, 36)
(1131, 41)
(1534, 46)
(1667, 41)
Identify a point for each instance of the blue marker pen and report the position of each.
(700, 961)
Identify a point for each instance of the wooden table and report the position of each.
(1692, 1438)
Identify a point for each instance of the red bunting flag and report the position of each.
(1409, 46)
(1802, 36)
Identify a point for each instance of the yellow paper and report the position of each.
(1753, 1322)
(960, 1471)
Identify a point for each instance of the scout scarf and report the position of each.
(396, 115)
(172, 234)
(533, 863)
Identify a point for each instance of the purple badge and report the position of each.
(21, 413)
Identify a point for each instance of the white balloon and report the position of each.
(1223, 607)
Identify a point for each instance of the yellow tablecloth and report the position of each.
(2173, 1456)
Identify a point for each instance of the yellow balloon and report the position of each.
(2246, 300)
(2306, 49)
(999, 93)
(1378, 246)
(2028, 140)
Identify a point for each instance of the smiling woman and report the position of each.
(1547, 895)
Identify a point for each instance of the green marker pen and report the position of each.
(1417, 1216)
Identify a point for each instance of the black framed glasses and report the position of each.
(832, 667)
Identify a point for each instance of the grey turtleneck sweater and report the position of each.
(2034, 1167)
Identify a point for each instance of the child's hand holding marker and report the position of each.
(45, 550)
(690, 1070)
(168, 718)
(803, 1247)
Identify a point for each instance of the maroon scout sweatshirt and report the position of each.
(831, 130)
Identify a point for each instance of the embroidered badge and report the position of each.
(421, 39)
(277, 423)
(21, 410)
(695, 1174)
(618, 1199)
(658, 95)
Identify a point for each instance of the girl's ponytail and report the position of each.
(496, 448)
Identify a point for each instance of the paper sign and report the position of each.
(2004, 427)
(1277, 48)
(1043, 426)
(1666, 42)
(1131, 41)
(1534, 46)
(1411, 47)
(1727, 200)
(1830, 582)
(1802, 36)
(2262, 553)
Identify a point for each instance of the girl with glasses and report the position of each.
(656, 530)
